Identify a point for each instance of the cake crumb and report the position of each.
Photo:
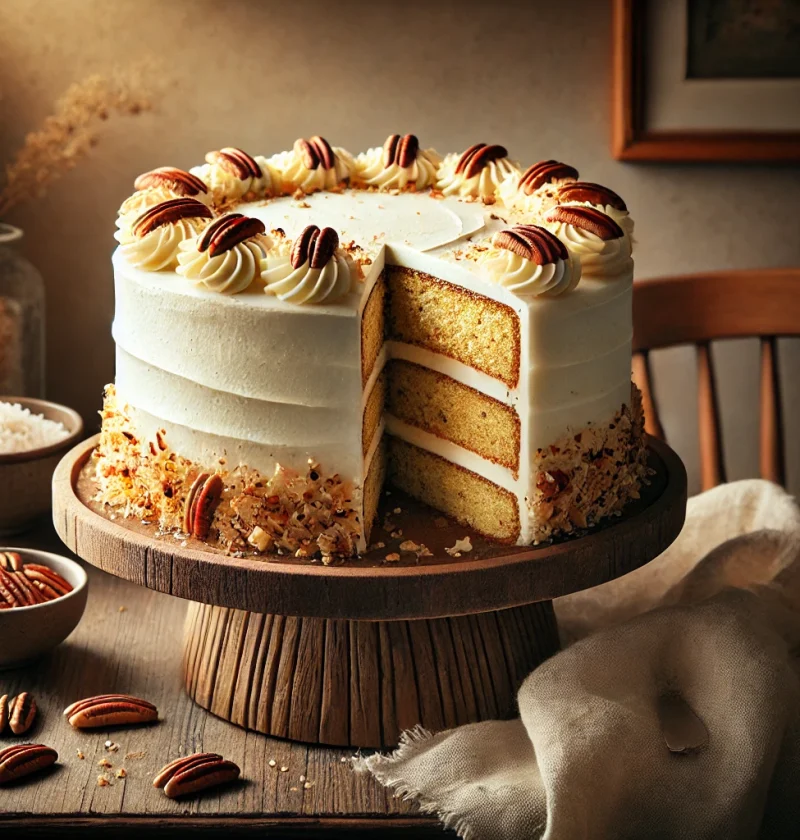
(104, 762)
(409, 545)
(111, 747)
(302, 778)
(308, 785)
(123, 609)
(102, 781)
(81, 756)
(122, 773)
(284, 768)
(460, 546)
(272, 762)
(397, 510)
(392, 558)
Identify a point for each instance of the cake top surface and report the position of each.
(312, 226)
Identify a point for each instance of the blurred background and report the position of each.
(258, 74)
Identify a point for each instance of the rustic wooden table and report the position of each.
(130, 641)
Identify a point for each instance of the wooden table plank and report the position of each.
(130, 640)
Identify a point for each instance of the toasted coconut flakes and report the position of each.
(309, 515)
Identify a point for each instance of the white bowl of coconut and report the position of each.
(34, 435)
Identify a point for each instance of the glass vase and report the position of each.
(21, 320)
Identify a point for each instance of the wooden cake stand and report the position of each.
(356, 653)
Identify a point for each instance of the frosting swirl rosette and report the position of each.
(601, 244)
(398, 164)
(151, 240)
(227, 256)
(476, 173)
(599, 197)
(312, 165)
(533, 189)
(529, 260)
(161, 185)
(233, 174)
(315, 270)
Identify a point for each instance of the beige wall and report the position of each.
(533, 76)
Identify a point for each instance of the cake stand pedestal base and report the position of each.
(353, 654)
(361, 683)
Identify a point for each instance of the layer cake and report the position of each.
(292, 332)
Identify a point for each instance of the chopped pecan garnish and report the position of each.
(169, 212)
(315, 151)
(476, 157)
(236, 162)
(545, 172)
(314, 246)
(591, 193)
(400, 150)
(177, 180)
(532, 243)
(552, 482)
(586, 218)
(227, 232)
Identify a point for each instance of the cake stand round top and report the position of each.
(487, 577)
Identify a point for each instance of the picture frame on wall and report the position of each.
(706, 80)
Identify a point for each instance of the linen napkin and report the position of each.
(673, 713)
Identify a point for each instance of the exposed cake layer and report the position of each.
(466, 496)
(473, 329)
(447, 409)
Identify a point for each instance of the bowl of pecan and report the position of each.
(42, 599)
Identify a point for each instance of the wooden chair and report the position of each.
(699, 308)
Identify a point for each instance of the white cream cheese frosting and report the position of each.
(621, 217)
(151, 240)
(229, 273)
(307, 285)
(476, 173)
(380, 167)
(606, 257)
(295, 173)
(143, 200)
(232, 174)
(523, 274)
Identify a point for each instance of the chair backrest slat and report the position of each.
(700, 308)
(642, 377)
(771, 433)
(712, 467)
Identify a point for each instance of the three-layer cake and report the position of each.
(294, 331)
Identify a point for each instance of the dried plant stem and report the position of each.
(72, 131)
